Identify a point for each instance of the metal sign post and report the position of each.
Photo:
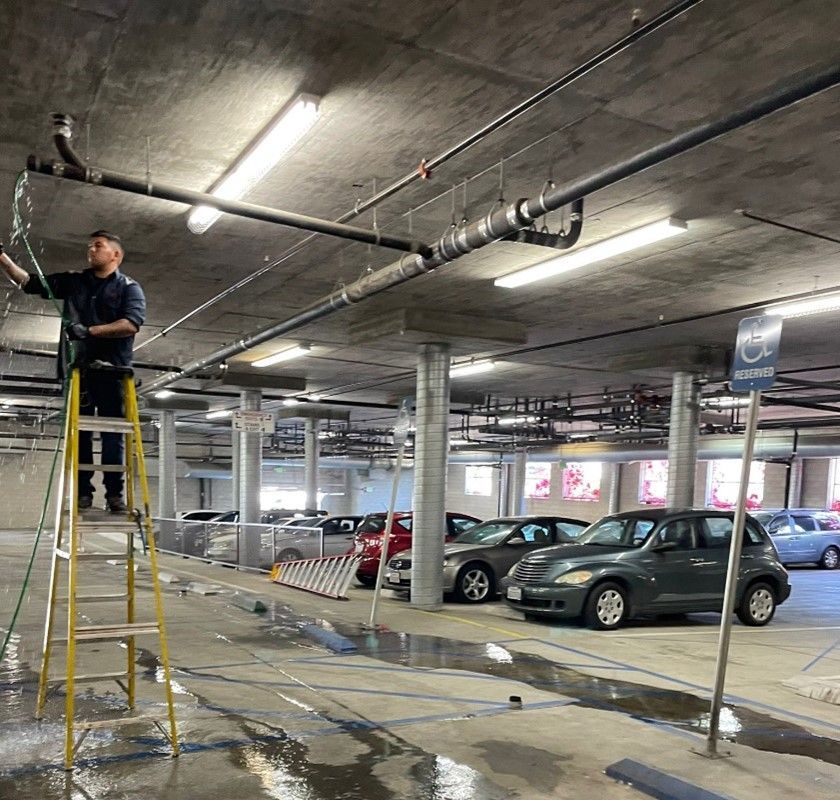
(401, 429)
(753, 369)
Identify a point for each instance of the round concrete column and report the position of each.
(431, 446)
(614, 497)
(793, 498)
(682, 440)
(167, 479)
(235, 457)
(516, 483)
(250, 484)
(311, 450)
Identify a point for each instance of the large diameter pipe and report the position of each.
(513, 217)
(177, 194)
(310, 473)
(250, 480)
(682, 440)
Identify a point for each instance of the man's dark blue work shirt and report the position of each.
(97, 301)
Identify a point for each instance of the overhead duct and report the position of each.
(511, 217)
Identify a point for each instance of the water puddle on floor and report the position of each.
(648, 703)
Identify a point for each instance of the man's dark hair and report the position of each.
(111, 237)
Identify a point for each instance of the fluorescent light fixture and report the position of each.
(458, 442)
(803, 308)
(218, 414)
(279, 136)
(291, 401)
(163, 394)
(615, 246)
(516, 420)
(282, 355)
(471, 368)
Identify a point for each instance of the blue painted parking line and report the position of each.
(821, 656)
(658, 784)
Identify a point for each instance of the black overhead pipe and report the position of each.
(506, 219)
(74, 169)
(562, 240)
(36, 353)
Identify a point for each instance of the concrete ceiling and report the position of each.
(401, 82)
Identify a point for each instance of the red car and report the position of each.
(368, 538)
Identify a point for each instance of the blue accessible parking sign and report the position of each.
(756, 353)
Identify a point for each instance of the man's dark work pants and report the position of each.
(101, 394)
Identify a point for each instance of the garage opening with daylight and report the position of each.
(429, 399)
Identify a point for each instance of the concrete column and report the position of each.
(311, 450)
(250, 483)
(682, 440)
(516, 483)
(351, 491)
(431, 447)
(235, 457)
(167, 479)
(614, 497)
(794, 483)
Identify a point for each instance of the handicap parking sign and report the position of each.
(756, 353)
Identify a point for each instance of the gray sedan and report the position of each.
(475, 561)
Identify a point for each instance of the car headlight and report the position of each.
(574, 578)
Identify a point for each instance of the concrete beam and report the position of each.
(257, 380)
(310, 411)
(177, 404)
(410, 327)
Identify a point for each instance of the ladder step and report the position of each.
(105, 424)
(97, 676)
(113, 723)
(121, 630)
(107, 527)
(96, 598)
(92, 556)
(101, 467)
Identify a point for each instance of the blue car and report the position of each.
(804, 536)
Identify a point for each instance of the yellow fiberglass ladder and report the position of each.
(71, 528)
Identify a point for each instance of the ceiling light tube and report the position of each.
(259, 157)
(163, 394)
(614, 246)
(471, 368)
(811, 305)
(218, 414)
(282, 355)
(516, 420)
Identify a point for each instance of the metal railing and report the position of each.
(245, 544)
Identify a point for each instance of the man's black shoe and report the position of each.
(116, 505)
(85, 502)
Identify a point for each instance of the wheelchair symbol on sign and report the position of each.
(753, 347)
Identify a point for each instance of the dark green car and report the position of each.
(661, 561)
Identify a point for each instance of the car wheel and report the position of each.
(474, 584)
(607, 607)
(289, 554)
(758, 605)
(365, 580)
(830, 558)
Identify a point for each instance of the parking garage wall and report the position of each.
(815, 491)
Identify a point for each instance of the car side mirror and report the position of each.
(664, 547)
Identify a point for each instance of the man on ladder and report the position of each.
(103, 310)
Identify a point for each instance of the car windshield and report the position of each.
(762, 516)
(617, 532)
(486, 533)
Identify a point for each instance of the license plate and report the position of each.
(393, 577)
(514, 593)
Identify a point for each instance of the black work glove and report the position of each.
(76, 331)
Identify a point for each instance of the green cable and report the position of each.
(19, 227)
(37, 537)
